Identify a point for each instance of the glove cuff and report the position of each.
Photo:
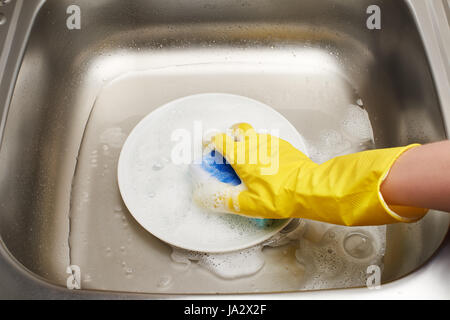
(346, 190)
(399, 212)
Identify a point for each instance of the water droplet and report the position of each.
(359, 102)
(128, 272)
(2, 19)
(84, 197)
(87, 278)
(164, 282)
(157, 166)
(151, 195)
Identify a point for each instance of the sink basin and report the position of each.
(62, 129)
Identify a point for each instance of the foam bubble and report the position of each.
(330, 144)
(242, 263)
(331, 261)
(211, 193)
(321, 252)
(225, 265)
(355, 122)
(358, 245)
(164, 282)
(113, 137)
(157, 166)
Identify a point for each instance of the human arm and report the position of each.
(345, 190)
(420, 178)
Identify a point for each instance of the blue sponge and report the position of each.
(216, 165)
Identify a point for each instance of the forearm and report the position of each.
(420, 178)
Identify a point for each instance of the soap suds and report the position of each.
(231, 265)
(320, 252)
(356, 124)
(331, 256)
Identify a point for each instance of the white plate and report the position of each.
(156, 188)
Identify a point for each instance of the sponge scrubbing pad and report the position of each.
(214, 168)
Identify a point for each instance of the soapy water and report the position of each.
(353, 133)
(331, 262)
(331, 256)
(356, 124)
(323, 252)
(334, 257)
(230, 265)
(327, 263)
(242, 263)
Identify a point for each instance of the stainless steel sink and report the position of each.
(301, 57)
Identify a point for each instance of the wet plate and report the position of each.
(153, 171)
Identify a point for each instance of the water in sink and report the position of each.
(337, 256)
(115, 253)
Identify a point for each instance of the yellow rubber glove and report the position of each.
(281, 182)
